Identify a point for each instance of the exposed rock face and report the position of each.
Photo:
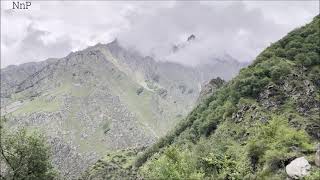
(209, 88)
(301, 92)
(298, 168)
(13, 75)
(67, 160)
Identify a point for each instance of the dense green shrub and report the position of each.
(281, 70)
(26, 156)
(272, 144)
(174, 164)
(291, 53)
(224, 159)
(280, 53)
(314, 58)
(252, 85)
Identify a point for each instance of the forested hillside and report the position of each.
(255, 125)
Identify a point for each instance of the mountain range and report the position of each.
(102, 99)
(108, 112)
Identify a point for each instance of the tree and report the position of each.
(303, 59)
(25, 155)
(280, 52)
(314, 58)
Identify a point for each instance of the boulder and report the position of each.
(298, 168)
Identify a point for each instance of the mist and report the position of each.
(241, 29)
(221, 28)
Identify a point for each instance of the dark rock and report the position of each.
(162, 93)
(191, 37)
(182, 88)
(139, 91)
(190, 91)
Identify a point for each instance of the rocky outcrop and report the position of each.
(298, 168)
(13, 75)
(209, 88)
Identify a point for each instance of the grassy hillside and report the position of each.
(254, 125)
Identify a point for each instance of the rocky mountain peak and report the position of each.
(191, 37)
(102, 98)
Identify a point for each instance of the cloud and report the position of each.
(33, 47)
(241, 29)
(56, 28)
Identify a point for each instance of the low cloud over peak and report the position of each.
(239, 29)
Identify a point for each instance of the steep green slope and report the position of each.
(254, 125)
(115, 165)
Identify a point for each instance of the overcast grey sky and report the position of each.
(240, 28)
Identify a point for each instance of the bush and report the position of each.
(251, 86)
(272, 144)
(221, 158)
(280, 53)
(307, 60)
(26, 156)
(314, 58)
(303, 59)
(279, 71)
(296, 43)
(291, 53)
(173, 164)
